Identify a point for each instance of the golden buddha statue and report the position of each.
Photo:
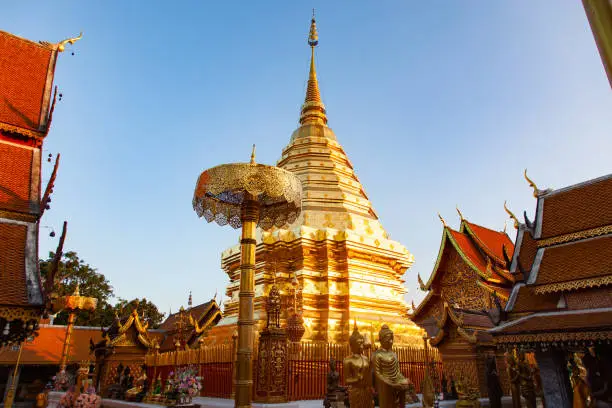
(582, 397)
(390, 383)
(139, 386)
(357, 374)
(468, 397)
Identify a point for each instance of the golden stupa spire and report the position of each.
(313, 110)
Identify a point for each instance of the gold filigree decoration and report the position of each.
(574, 285)
(221, 190)
(22, 131)
(590, 233)
(554, 337)
(16, 313)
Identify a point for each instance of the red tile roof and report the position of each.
(13, 289)
(15, 177)
(25, 81)
(469, 249)
(577, 208)
(47, 347)
(579, 260)
(491, 241)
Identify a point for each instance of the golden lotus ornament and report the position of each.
(247, 195)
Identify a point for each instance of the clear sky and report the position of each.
(437, 104)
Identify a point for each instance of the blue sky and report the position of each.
(436, 103)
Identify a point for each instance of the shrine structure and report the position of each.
(561, 307)
(344, 262)
(469, 283)
(26, 108)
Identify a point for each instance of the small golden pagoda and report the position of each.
(336, 254)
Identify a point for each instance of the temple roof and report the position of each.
(570, 325)
(567, 247)
(46, 348)
(474, 244)
(198, 320)
(26, 79)
(471, 325)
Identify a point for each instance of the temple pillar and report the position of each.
(272, 367)
(555, 380)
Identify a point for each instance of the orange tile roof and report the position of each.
(577, 208)
(47, 347)
(491, 241)
(528, 301)
(15, 177)
(13, 289)
(25, 81)
(469, 249)
(527, 252)
(578, 260)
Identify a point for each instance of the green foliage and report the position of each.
(72, 271)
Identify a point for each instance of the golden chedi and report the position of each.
(357, 374)
(347, 266)
(390, 383)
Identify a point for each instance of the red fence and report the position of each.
(307, 367)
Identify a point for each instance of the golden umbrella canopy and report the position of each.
(221, 192)
(247, 195)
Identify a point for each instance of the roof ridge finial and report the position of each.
(443, 222)
(516, 221)
(313, 110)
(253, 154)
(459, 212)
(189, 301)
(536, 191)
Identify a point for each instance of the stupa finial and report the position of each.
(253, 154)
(313, 110)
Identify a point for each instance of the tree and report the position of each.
(72, 271)
(146, 309)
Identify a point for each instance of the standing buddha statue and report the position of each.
(357, 373)
(527, 384)
(515, 379)
(390, 383)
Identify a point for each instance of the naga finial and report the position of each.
(512, 216)
(421, 284)
(413, 307)
(532, 185)
(253, 154)
(61, 46)
(459, 212)
(442, 219)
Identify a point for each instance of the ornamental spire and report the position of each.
(313, 110)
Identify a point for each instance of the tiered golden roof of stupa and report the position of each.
(345, 262)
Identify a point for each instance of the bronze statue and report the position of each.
(357, 374)
(526, 379)
(390, 383)
(336, 394)
(515, 380)
(493, 384)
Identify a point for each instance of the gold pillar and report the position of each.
(599, 13)
(10, 394)
(244, 369)
(71, 320)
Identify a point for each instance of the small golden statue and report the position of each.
(515, 380)
(526, 379)
(390, 383)
(357, 373)
(580, 388)
(468, 397)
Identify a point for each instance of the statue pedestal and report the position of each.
(272, 374)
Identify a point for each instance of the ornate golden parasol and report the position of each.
(247, 195)
(72, 304)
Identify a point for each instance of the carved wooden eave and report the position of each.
(501, 292)
(449, 315)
